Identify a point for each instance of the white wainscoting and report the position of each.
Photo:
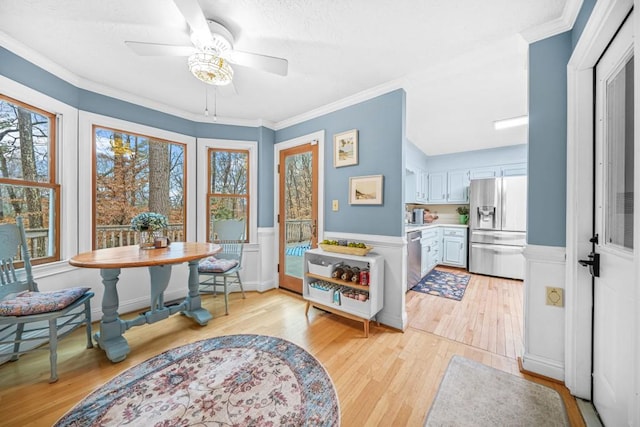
(544, 325)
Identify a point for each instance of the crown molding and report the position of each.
(343, 103)
(559, 25)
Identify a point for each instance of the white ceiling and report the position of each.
(463, 63)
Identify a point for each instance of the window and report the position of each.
(28, 185)
(228, 189)
(133, 174)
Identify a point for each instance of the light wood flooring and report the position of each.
(388, 379)
(488, 317)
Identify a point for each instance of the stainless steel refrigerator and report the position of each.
(497, 222)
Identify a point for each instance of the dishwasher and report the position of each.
(414, 259)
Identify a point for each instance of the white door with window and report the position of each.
(614, 289)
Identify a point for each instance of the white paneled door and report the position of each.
(614, 289)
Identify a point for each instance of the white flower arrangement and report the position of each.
(149, 221)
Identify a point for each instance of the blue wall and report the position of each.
(548, 140)
(548, 61)
(381, 132)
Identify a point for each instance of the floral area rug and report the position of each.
(443, 284)
(235, 380)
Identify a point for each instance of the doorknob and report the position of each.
(593, 263)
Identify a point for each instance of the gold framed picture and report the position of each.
(345, 148)
(365, 190)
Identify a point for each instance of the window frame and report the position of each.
(203, 144)
(94, 128)
(247, 196)
(86, 169)
(51, 184)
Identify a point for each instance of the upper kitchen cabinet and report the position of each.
(415, 186)
(516, 169)
(458, 186)
(437, 184)
(486, 172)
(449, 187)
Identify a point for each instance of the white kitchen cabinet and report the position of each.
(437, 187)
(458, 186)
(415, 186)
(488, 172)
(516, 169)
(449, 187)
(334, 300)
(410, 188)
(430, 242)
(454, 250)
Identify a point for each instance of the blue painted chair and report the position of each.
(226, 264)
(22, 304)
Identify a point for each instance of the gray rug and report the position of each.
(473, 394)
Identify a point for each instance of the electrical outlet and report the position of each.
(335, 205)
(554, 297)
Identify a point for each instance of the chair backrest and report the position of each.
(228, 229)
(12, 240)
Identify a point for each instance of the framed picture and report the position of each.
(345, 148)
(365, 190)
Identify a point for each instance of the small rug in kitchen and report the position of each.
(228, 380)
(473, 394)
(443, 284)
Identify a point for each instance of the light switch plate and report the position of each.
(334, 205)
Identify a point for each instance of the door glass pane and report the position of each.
(298, 193)
(619, 167)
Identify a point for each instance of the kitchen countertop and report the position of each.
(418, 227)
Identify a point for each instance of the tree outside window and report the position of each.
(228, 192)
(28, 185)
(134, 174)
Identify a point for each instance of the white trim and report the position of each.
(342, 103)
(605, 19)
(542, 366)
(304, 139)
(203, 144)
(559, 25)
(543, 325)
(85, 169)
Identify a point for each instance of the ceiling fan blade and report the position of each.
(194, 16)
(156, 49)
(270, 64)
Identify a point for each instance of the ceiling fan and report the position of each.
(212, 52)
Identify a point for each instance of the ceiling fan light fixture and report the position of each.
(210, 69)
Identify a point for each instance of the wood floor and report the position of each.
(388, 379)
(489, 316)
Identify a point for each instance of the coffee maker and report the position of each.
(418, 216)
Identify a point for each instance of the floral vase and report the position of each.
(146, 238)
(463, 219)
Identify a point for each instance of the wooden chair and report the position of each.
(21, 303)
(226, 264)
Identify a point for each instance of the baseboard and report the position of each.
(542, 367)
(535, 374)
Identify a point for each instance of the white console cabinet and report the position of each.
(330, 294)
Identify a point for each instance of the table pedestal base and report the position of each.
(110, 337)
